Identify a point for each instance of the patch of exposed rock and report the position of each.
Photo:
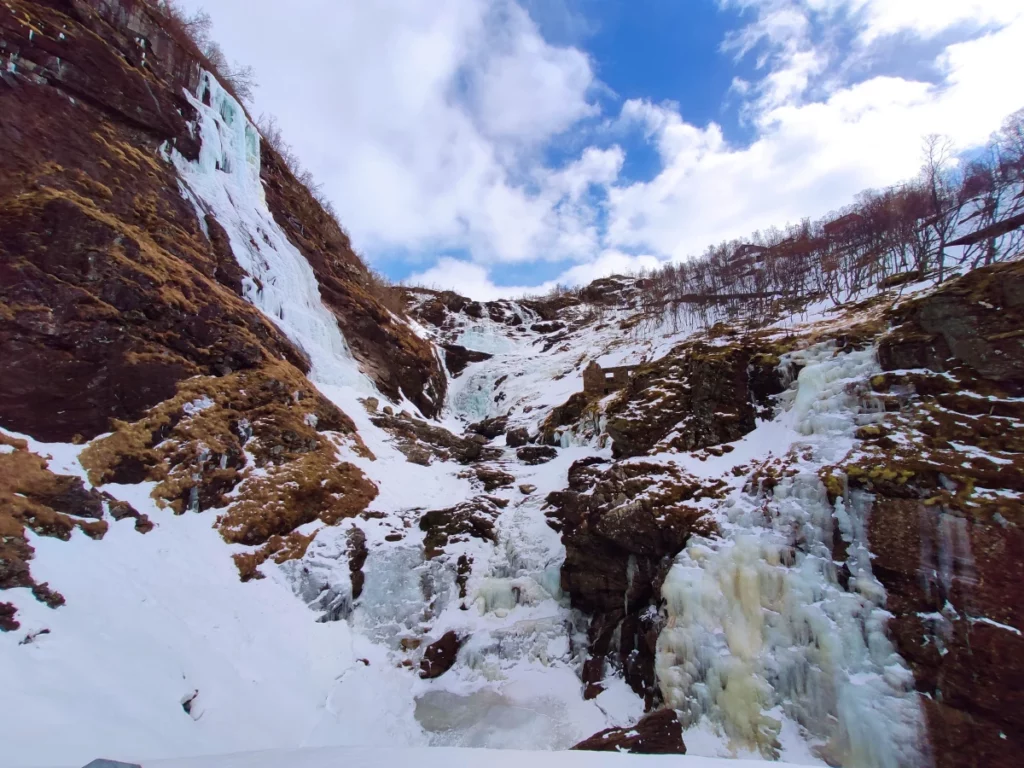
(422, 442)
(457, 357)
(440, 655)
(621, 525)
(658, 733)
(490, 428)
(698, 396)
(470, 519)
(536, 454)
(517, 437)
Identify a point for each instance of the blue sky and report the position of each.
(501, 146)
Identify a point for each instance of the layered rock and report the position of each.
(122, 301)
(697, 396)
(621, 525)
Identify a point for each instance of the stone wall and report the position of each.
(600, 381)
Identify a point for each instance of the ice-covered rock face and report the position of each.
(781, 617)
(225, 182)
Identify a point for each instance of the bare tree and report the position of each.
(940, 185)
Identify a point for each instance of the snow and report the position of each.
(149, 620)
(441, 757)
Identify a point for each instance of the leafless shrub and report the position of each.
(193, 32)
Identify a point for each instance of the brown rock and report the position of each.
(621, 525)
(658, 733)
(703, 395)
(517, 438)
(490, 428)
(457, 357)
(440, 655)
(536, 454)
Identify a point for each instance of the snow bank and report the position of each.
(440, 757)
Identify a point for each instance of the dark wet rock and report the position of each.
(658, 733)
(357, 554)
(621, 525)
(547, 327)
(517, 437)
(536, 454)
(457, 357)
(490, 428)
(473, 518)
(440, 655)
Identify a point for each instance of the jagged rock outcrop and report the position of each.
(473, 518)
(621, 525)
(490, 428)
(698, 396)
(422, 442)
(974, 322)
(658, 733)
(457, 357)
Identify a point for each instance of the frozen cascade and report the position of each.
(225, 181)
(759, 625)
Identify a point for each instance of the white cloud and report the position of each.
(474, 280)
(418, 118)
(429, 123)
(810, 155)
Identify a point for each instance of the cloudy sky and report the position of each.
(495, 146)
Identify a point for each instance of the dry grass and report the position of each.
(34, 498)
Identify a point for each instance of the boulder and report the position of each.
(490, 428)
(473, 518)
(658, 733)
(547, 327)
(526, 489)
(440, 655)
(493, 478)
(536, 454)
(517, 437)
(457, 357)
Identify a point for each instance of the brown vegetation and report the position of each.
(884, 240)
(33, 498)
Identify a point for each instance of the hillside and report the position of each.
(246, 503)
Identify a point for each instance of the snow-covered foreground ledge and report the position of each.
(447, 757)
